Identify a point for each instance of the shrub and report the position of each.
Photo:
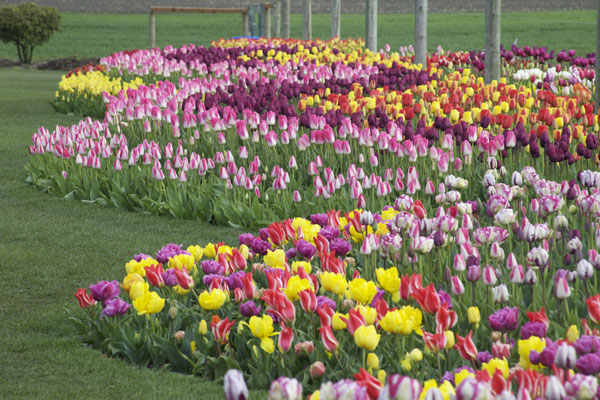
(27, 26)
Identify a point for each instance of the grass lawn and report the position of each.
(51, 246)
(95, 35)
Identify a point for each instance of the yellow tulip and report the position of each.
(209, 250)
(362, 291)
(149, 303)
(275, 259)
(261, 327)
(494, 364)
(372, 361)
(304, 264)
(183, 260)
(388, 279)
(196, 251)
(366, 337)
(572, 333)
(461, 376)
(473, 315)
(130, 279)
(267, 345)
(137, 289)
(202, 328)
(212, 300)
(335, 283)
(294, 286)
(525, 347)
(337, 322)
(368, 313)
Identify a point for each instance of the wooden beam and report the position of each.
(268, 20)
(151, 31)
(277, 18)
(200, 10)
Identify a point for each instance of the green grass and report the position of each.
(96, 35)
(51, 246)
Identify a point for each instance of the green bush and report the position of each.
(28, 25)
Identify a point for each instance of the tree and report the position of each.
(27, 26)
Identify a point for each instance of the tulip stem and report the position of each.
(364, 359)
(439, 364)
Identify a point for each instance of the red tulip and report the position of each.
(249, 287)
(367, 380)
(538, 316)
(286, 337)
(593, 305)
(428, 299)
(419, 209)
(276, 234)
(326, 314)
(435, 341)
(220, 328)
(445, 318)
(238, 260)
(279, 304)
(84, 299)
(308, 300)
(154, 273)
(498, 382)
(466, 347)
(354, 320)
(183, 278)
(329, 341)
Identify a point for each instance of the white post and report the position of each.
(307, 20)
(335, 18)
(151, 35)
(597, 81)
(277, 18)
(371, 17)
(285, 18)
(421, 32)
(493, 11)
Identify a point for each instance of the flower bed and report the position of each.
(482, 296)
(250, 134)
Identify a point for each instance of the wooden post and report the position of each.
(245, 28)
(261, 21)
(307, 20)
(267, 7)
(252, 24)
(285, 18)
(277, 18)
(597, 80)
(493, 11)
(371, 22)
(335, 18)
(151, 35)
(421, 32)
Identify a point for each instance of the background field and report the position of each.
(51, 246)
(95, 35)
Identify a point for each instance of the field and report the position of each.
(51, 246)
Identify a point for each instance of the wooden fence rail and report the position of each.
(201, 10)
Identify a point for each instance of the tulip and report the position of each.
(84, 299)
(105, 290)
(285, 339)
(284, 388)
(400, 387)
(317, 370)
(220, 329)
(593, 306)
(466, 347)
(149, 303)
(566, 356)
(330, 343)
(235, 385)
(500, 293)
(366, 337)
(554, 389)
(473, 315)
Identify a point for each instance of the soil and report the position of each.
(57, 64)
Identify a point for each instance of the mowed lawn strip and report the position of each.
(96, 35)
(50, 247)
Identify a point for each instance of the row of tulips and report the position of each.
(267, 132)
(490, 297)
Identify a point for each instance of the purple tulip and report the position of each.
(533, 329)
(305, 249)
(505, 319)
(582, 387)
(329, 232)
(168, 251)
(587, 344)
(105, 290)
(321, 300)
(113, 307)
(341, 246)
(169, 277)
(212, 267)
(249, 309)
(589, 364)
(140, 257)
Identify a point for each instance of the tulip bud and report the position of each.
(517, 179)
(585, 270)
(284, 388)
(473, 273)
(562, 289)
(500, 293)
(555, 389)
(372, 361)
(572, 334)
(530, 277)
(235, 385)
(565, 357)
(202, 328)
(489, 276)
(457, 286)
(473, 315)
(317, 369)
(179, 335)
